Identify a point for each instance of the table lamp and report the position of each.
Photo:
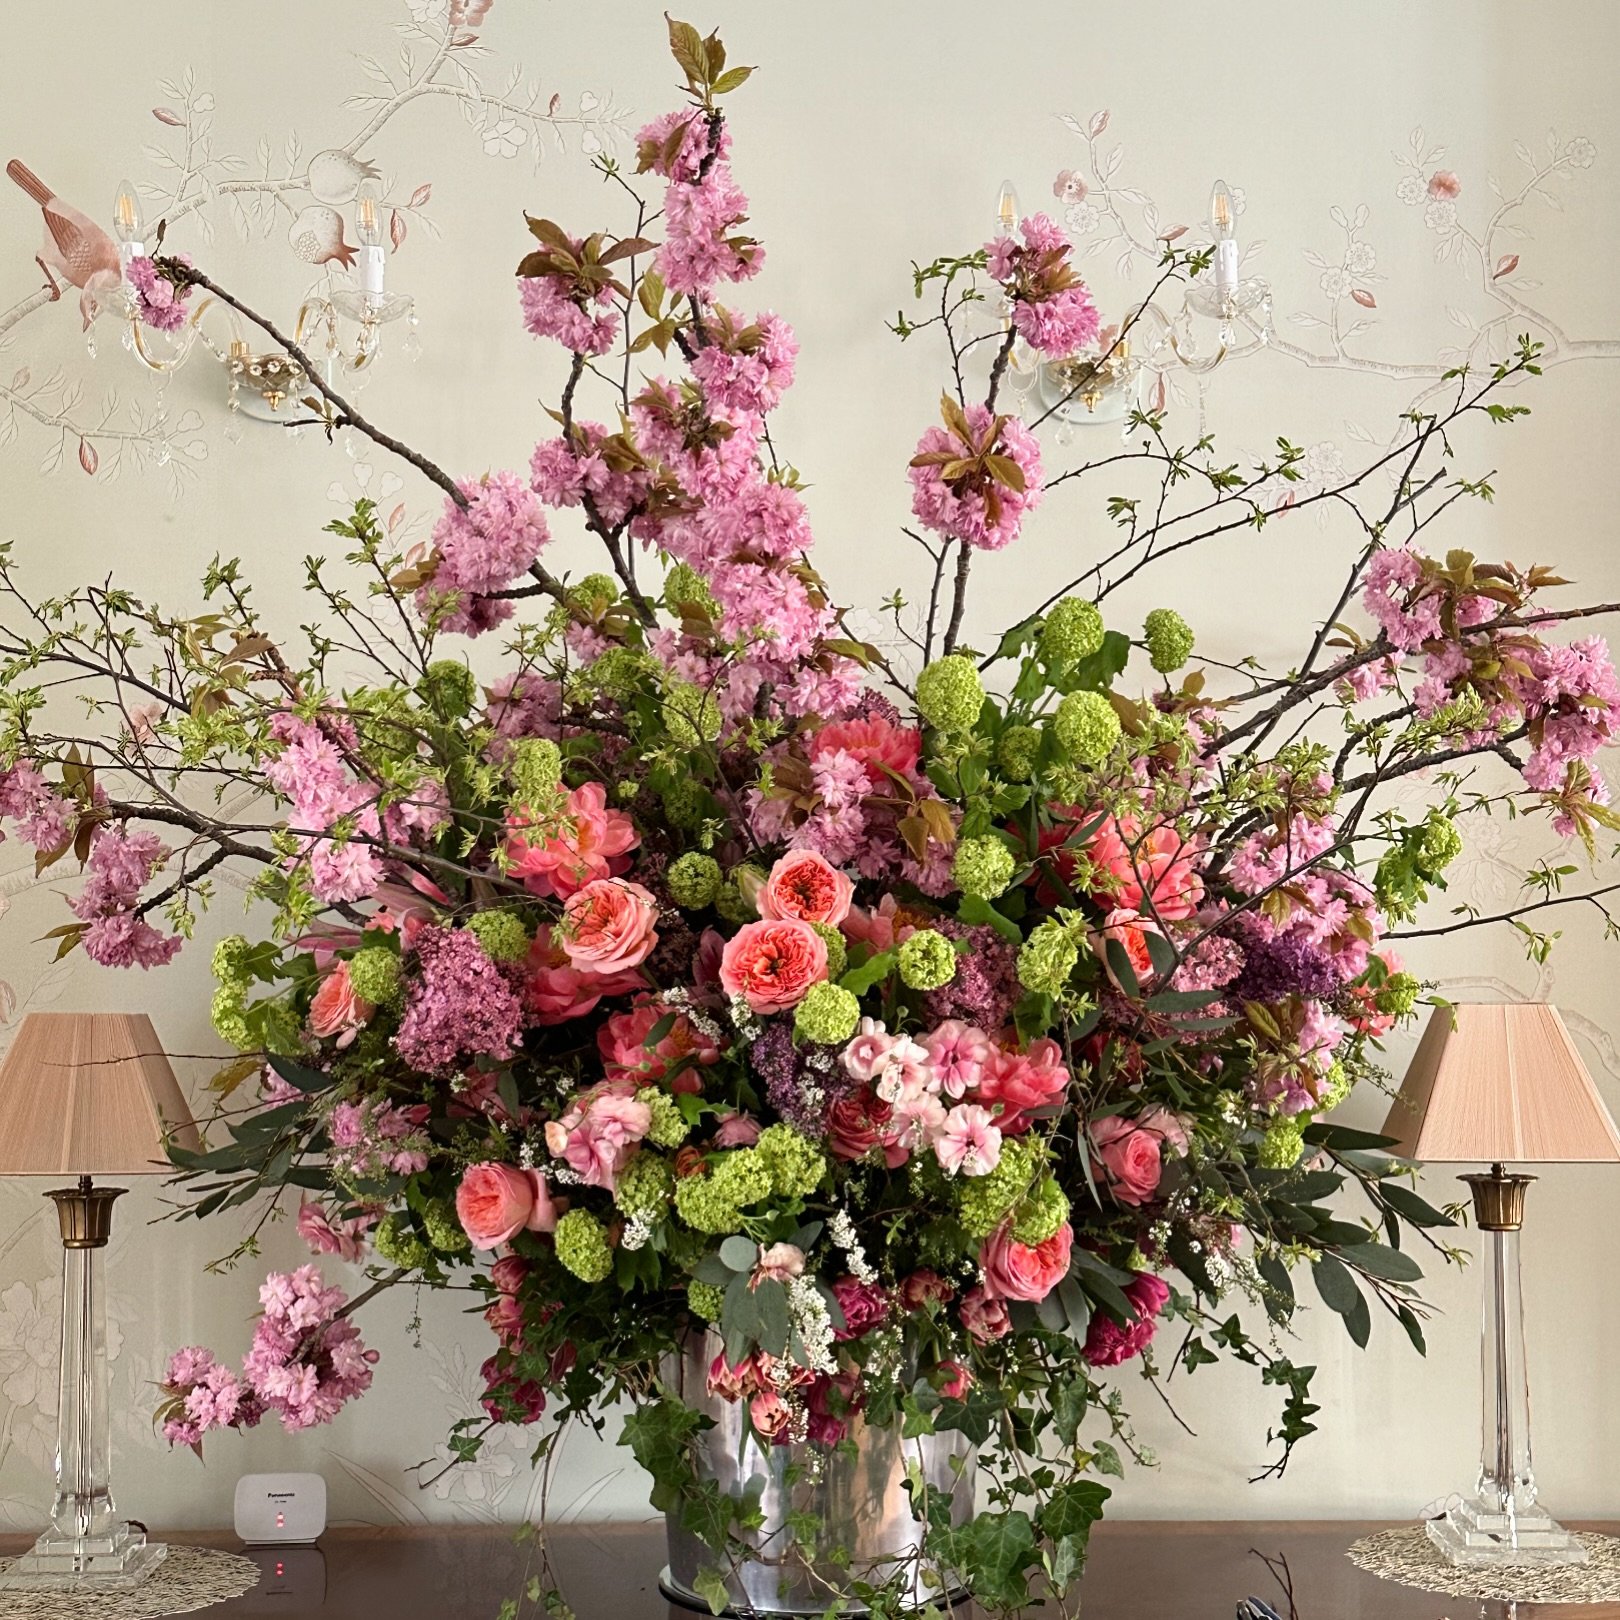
(86, 1094)
(1501, 1084)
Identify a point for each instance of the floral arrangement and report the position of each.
(939, 1045)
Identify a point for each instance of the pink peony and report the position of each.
(880, 746)
(1022, 1082)
(1154, 872)
(336, 1010)
(1014, 1270)
(772, 963)
(600, 1131)
(1131, 1158)
(555, 990)
(622, 1042)
(592, 843)
(497, 1201)
(984, 1317)
(1108, 1344)
(806, 886)
(609, 927)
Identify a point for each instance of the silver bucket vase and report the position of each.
(860, 1501)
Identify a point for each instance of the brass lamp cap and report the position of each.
(1498, 1199)
(85, 1214)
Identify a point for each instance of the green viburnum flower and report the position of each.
(795, 1162)
(535, 766)
(1016, 753)
(621, 672)
(684, 586)
(704, 1206)
(1440, 843)
(501, 933)
(827, 1016)
(1086, 727)
(229, 963)
(983, 867)
(691, 714)
(1417, 858)
(1398, 994)
(685, 804)
(443, 1230)
(837, 950)
(693, 880)
(1169, 639)
(732, 905)
(645, 1186)
(950, 694)
(927, 960)
(1282, 1145)
(983, 1202)
(594, 592)
(669, 1127)
(396, 1241)
(705, 1300)
(1040, 1214)
(1339, 1086)
(1047, 958)
(743, 1176)
(449, 688)
(225, 1012)
(1073, 630)
(374, 975)
(582, 1246)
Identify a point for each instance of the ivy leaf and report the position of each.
(710, 1585)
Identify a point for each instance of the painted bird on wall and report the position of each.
(76, 248)
(316, 236)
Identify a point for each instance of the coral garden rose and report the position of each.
(1108, 1344)
(609, 927)
(1129, 1153)
(1129, 931)
(497, 1201)
(1154, 871)
(592, 842)
(771, 963)
(554, 990)
(1014, 1270)
(336, 1010)
(805, 885)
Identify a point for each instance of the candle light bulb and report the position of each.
(129, 223)
(1007, 211)
(1223, 222)
(368, 214)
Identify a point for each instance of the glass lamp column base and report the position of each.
(119, 1560)
(1476, 1535)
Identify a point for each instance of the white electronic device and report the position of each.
(276, 1508)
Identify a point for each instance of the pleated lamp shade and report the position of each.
(89, 1094)
(1502, 1084)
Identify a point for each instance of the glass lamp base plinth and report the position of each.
(123, 1559)
(1477, 1535)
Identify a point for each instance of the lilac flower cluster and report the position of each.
(371, 1140)
(461, 1005)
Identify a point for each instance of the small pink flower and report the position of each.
(772, 963)
(1444, 186)
(958, 1053)
(345, 1239)
(781, 1262)
(337, 1010)
(805, 885)
(955, 1380)
(598, 1134)
(968, 1143)
(609, 926)
(868, 1048)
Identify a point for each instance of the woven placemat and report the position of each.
(1409, 1557)
(188, 1578)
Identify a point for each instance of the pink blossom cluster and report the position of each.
(311, 773)
(751, 373)
(157, 301)
(555, 307)
(599, 1132)
(328, 1233)
(575, 467)
(211, 1397)
(44, 818)
(702, 244)
(480, 549)
(120, 865)
(459, 1005)
(977, 510)
(1051, 310)
(372, 1140)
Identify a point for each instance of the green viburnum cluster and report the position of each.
(1048, 957)
(950, 694)
(444, 1231)
(685, 588)
(827, 1016)
(693, 881)
(582, 1246)
(714, 1203)
(1039, 1215)
(645, 1186)
(927, 960)
(1086, 727)
(837, 949)
(796, 1164)
(501, 933)
(396, 1241)
(1018, 752)
(1168, 638)
(374, 975)
(706, 1300)
(691, 714)
(1415, 861)
(1283, 1144)
(669, 1127)
(984, 1202)
(983, 867)
(535, 766)
(1073, 630)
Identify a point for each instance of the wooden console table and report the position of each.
(1141, 1570)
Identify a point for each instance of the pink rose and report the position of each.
(591, 845)
(1014, 1270)
(622, 1041)
(600, 1131)
(1130, 931)
(336, 1009)
(737, 1130)
(771, 963)
(1131, 1157)
(856, 1122)
(555, 990)
(1108, 1344)
(955, 1380)
(984, 1319)
(805, 885)
(1022, 1082)
(830, 1401)
(865, 1306)
(497, 1201)
(609, 927)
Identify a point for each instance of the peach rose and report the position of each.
(804, 885)
(1014, 1270)
(336, 1009)
(609, 926)
(771, 963)
(1132, 1157)
(1130, 931)
(497, 1201)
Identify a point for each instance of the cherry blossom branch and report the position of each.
(1592, 895)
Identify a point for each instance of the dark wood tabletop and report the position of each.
(1141, 1570)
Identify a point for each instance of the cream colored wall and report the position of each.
(873, 134)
